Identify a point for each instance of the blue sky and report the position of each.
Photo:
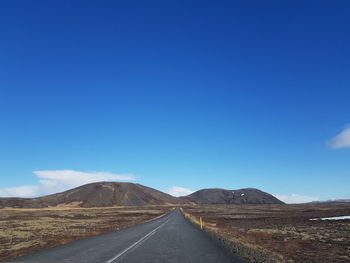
(194, 94)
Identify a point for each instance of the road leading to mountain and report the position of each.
(167, 239)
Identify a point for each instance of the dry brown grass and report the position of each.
(26, 230)
(283, 230)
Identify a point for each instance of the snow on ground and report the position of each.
(332, 218)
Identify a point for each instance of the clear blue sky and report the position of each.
(194, 94)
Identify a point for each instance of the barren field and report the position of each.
(26, 230)
(283, 232)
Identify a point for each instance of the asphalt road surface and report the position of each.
(169, 239)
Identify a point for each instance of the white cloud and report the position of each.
(20, 191)
(342, 140)
(296, 199)
(178, 191)
(53, 181)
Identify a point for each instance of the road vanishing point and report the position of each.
(169, 239)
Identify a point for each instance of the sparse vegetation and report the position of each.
(26, 230)
(283, 232)
(260, 233)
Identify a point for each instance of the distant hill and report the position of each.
(331, 201)
(98, 195)
(223, 196)
(104, 194)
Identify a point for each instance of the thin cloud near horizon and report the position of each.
(178, 191)
(296, 198)
(53, 181)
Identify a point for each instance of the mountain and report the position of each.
(98, 195)
(128, 194)
(223, 196)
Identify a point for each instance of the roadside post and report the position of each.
(201, 222)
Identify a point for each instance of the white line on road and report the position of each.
(137, 242)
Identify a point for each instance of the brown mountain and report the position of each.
(222, 196)
(128, 194)
(98, 195)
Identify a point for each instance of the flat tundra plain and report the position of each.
(283, 232)
(26, 230)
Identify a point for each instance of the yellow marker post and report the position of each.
(201, 222)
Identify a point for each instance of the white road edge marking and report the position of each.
(137, 242)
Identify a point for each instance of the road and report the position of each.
(167, 239)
